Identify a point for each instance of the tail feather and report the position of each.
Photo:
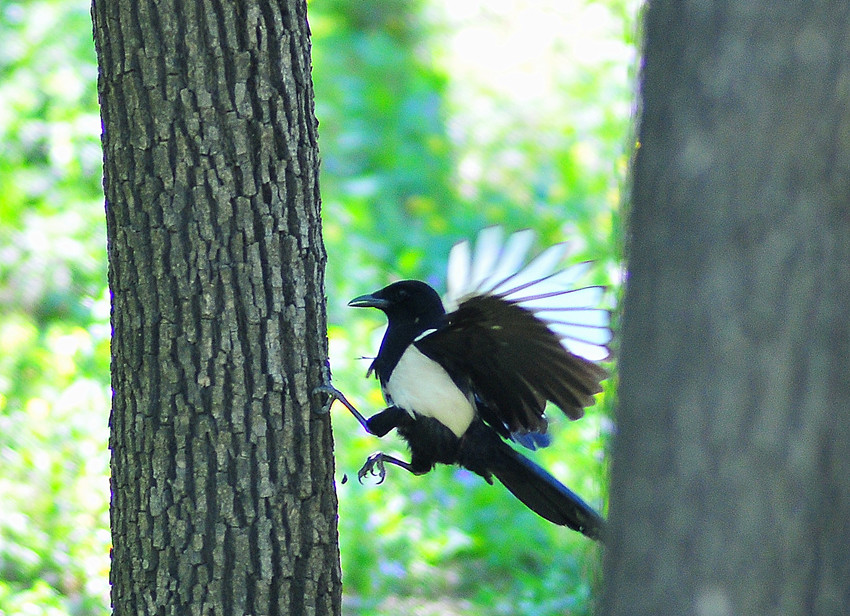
(544, 494)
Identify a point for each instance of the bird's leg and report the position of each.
(334, 394)
(378, 425)
(375, 466)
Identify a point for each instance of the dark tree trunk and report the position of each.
(731, 480)
(222, 476)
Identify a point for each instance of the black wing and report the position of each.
(512, 362)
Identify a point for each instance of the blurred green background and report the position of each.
(436, 118)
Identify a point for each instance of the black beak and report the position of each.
(369, 301)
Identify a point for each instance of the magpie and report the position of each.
(463, 378)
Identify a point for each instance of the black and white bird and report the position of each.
(462, 378)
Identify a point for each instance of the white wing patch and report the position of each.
(498, 268)
(419, 384)
(423, 334)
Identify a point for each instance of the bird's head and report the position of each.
(407, 302)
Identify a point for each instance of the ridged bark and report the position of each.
(222, 474)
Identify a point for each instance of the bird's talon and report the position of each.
(331, 392)
(374, 466)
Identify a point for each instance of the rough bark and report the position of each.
(222, 476)
(731, 477)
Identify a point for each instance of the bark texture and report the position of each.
(731, 479)
(222, 476)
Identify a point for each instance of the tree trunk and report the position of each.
(731, 479)
(222, 476)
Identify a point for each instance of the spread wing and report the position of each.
(522, 335)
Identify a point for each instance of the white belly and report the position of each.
(420, 384)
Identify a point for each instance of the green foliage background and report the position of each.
(419, 150)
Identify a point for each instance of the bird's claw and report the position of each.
(333, 395)
(331, 392)
(374, 466)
